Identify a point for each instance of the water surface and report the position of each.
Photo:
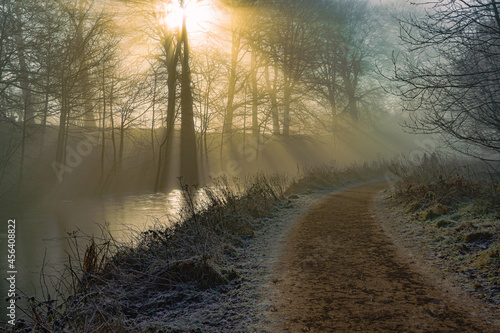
(42, 230)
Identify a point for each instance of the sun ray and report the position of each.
(199, 15)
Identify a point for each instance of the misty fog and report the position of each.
(108, 107)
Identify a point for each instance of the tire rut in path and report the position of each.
(338, 272)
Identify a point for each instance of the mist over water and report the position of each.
(43, 226)
(104, 119)
(110, 109)
(44, 230)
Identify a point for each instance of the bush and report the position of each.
(444, 182)
(443, 223)
(114, 285)
(114, 278)
(478, 236)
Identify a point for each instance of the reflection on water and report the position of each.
(42, 230)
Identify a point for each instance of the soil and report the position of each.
(338, 271)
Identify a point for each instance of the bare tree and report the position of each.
(451, 85)
(171, 52)
(80, 54)
(189, 154)
(236, 49)
(356, 31)
(209, 70)
(7, 54)
(289, 39)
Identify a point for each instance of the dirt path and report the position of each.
(340, 273)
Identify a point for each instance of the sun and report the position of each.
(200, 14)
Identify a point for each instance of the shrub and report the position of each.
(443, 223)
(446, 182)
(478, 236)
(114, 285)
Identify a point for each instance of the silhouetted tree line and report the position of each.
(274, 68)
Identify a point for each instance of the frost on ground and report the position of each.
(243, 304)
(448, 212)
(210, 272)
(454, 247)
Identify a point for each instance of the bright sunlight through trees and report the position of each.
(199, 15)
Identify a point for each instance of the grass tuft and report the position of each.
(112, 286)
(478, 236)
(444, 223)
(463, 200)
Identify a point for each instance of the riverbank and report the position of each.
(207, 272)
(212, 269)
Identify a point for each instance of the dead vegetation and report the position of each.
(322, 176)
(455, 206)
(112, 286)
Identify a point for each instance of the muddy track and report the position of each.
(339, 272)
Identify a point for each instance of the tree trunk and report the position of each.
(255, 96)
(23, 147)
(88, 116)
(287, 99)
(205, 129)
(112, 119)
(88, 111)
(189, 156)
(153, 119)
(333, 107)
(24, 79)
(333, 102)
(47, 92)
(165, 150)
(274, 99)
(235, 48)
(353, 107)
(350, 77)
(121, 148)
(103, 124)
(61, 136)
(45, 110)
